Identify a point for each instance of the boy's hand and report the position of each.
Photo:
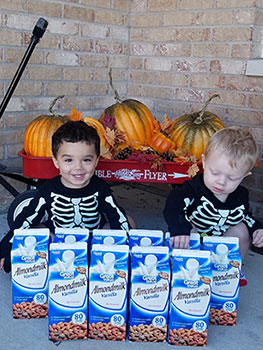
(2, 261)
(180, 242)
(257, 240)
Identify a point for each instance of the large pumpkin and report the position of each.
(104, 145)
(134, 119)
(131, 117)
(38, 134)
(192, 131)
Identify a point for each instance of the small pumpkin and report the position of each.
(161, 143)
(104, 145)
(191, 132)
(131, 117)
(38, 134)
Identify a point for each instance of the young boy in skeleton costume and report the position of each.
(214, 203)
(75, 198)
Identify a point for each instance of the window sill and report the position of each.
(255, 67)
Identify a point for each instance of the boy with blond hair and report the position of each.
(214, 203)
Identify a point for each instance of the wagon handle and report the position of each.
(38, 32)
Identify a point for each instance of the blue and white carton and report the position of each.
(68, 291)
(108, 289)
(145, 238)
(194, 243)
(71, 235)
(29, 258)
(226, 264)
(149, 294)
(190, 297)
(109, 237)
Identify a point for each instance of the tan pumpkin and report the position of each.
(191, 132)
(104, 145)
(160, 143)
(38, 134)
(131, 117)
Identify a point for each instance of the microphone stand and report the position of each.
(38, 32)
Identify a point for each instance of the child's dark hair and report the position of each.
(75, 131)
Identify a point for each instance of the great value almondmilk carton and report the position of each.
(68, 291)
(145, 238)
(108, 288)
(149, 294)
(190, 297)
(71, 235)
(226, 264)
(109, 237)
(29, 258)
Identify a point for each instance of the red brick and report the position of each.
(191, 65)
(190, 95)
(256, 101)
(244, 83)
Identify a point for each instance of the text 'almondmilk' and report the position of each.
(29, 258)
(68, 291)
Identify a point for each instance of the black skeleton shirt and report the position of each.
(68, 207)
(193, 203)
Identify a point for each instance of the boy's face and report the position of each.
(220, 177)
(76, 163)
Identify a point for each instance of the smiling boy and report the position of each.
(76, 197)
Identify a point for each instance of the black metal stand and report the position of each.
(38, 32)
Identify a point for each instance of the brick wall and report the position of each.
(170, 54)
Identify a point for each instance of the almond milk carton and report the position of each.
(71, 235)
(145, 238)
(226, 264)
(29, 258)
(190, 297)
(109, 237)
(68, 290)
(149, 294)
(108, 285)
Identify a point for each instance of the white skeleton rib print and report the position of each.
(207, 219)
(75, 212)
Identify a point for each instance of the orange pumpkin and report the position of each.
(131, 117)
(191, 132)
(38, 134)
(104, 145)
(160, 143)
(134, 119)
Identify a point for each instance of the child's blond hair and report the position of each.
(237, 143)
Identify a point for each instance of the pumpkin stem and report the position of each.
(53, 104)
(117, 97)
(199, 119)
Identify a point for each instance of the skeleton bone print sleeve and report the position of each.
(193, 203)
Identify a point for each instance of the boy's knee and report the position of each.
(240, 230)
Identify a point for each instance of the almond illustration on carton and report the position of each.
(121, 274)
(234, 263)
(81, 270)
(205, 280)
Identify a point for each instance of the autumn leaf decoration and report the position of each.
(164, 127)
(75, 115)
(113, 136)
